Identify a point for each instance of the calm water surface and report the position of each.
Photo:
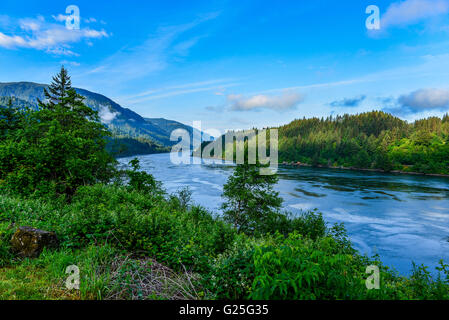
(403, 218)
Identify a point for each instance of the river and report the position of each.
(403, 218)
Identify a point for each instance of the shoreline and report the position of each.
(300, 164)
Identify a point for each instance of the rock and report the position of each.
(29, 242)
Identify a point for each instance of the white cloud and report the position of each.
(11, 41)
(106, 115)
(425, 99)
(32, 25)
(49, 37)
(63, 18)
(285, 101)
(403, 13)
(60, 17)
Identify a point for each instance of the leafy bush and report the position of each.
(232, 273)
(300, 268)
(142, 181)
(250, 198)
(230, 265)
(310, 224)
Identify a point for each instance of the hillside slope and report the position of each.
(121, 121)
(372, 140)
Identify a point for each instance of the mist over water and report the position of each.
(403, 218)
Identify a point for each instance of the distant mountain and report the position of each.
(123, 122)
(169, 125)
(16, 102)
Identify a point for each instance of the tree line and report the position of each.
(373, 140)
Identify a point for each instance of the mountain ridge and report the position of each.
(120, 120)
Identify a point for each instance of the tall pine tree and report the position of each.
(59, 147)
(8, 118)
(57, 92)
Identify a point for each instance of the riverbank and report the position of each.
(300, 164)
(138, 238)
(379, 210)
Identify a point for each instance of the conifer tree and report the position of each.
(57, 92)
(8, 118)
(65, 102)
(59, 147)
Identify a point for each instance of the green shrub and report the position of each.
(305, 260)
(5, 236)
(310, 224)
(232, 273)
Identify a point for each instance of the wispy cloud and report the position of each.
(425, 99)
(106, 115)
(403, 13)
(183, 48)
(63, 18)
(428, 66)
(410, 12)
(154, 54)
(171, 93)
(349, 102)
(285, 101)
(178, 86)
(50, 37)
(60, 17)
(318, 85)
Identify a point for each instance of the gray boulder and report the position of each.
(29, 242)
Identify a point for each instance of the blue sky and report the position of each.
(238, 64)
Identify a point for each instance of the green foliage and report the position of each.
(9, 119)
(298, 268)
(250, 198)
(310, 224)
(142, 181)
(305, 264)
(232, 273)
(373, 140)
(121, 145)
(57, 148)
(255, 252)
(182, 198)
(130, 219)
(6, 233)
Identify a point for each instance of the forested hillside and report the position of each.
(371, 140)
(123, 122)
(374, 140)
(125, 146)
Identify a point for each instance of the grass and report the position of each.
(28, 282)
(105, 274)
(128, 245)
